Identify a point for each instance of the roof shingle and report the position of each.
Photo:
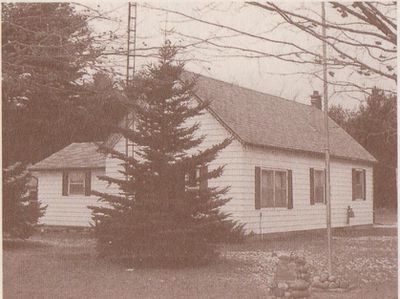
(73, 156)
(261, 119)
(266, 120)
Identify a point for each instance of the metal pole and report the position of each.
(134, 40)
(327, 154)
(127, 84)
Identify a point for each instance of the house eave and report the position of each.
(310, 153)
(66, 168)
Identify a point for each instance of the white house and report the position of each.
(275, 165)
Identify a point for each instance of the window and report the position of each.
(274, 189)
(317, 186)
(192, 179)
(76, 183)
(358, 184)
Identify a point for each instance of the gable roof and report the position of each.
(74, 156)
(260, 119)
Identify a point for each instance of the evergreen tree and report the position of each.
(156, 219)
(20, 211)
(374, 126)
(47, 51)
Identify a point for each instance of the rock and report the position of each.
(302, 269)
(283, 286)
(324, 277)
(317, 284)
(300, 285)
(325, 285)
(332, 278)
(300, 294)
(279, 292)
(333, 285)
(316, 279)
(272, 285)
(288, 294)
(300, 261)
(284, 258)
(344, 284)
(305, 276)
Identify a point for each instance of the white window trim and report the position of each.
(287, 188)
(324, 199)
(69, 183)
(361, 170)
(197, 187)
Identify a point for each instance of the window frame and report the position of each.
(274, 170)
(83, 173)
(323, 202)
(197, 177)
(362, 173)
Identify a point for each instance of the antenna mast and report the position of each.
(130, 69)
(131, 45)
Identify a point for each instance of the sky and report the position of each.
(266, 74)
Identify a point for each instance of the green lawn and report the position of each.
(64, 265)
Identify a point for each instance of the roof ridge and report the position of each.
(253, 90)
(85, 142)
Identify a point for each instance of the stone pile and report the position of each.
(332, 282)
(298, 278)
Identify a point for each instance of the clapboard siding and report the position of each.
(65, 210)
(240, 162)
(305, 216)
(239, 174)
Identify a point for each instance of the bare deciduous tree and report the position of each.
(361, 39)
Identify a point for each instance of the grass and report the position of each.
(64, 265)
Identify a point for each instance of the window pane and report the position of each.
(319, 177)
(76, 189)
(76, 183)
(76, 177)
(267, 188)
(280, 189)
(280, 179)
(191, 177)
(358, 185)
(359, 191)
(319, 194)
(280, 198)
(319, 183)
(358, 177)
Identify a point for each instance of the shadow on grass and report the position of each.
(15, 244)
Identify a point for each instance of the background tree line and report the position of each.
(53, 92)
(374, 126)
